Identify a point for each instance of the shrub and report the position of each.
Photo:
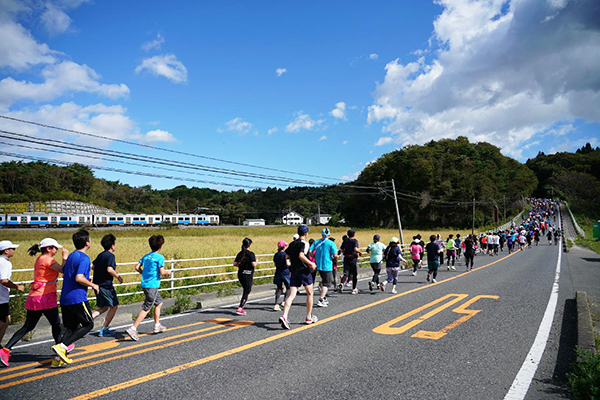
(585, 377)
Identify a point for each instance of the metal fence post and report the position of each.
(172, 277)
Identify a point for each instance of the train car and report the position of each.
(154, 219)
(37, 219)
(179, 219)
(208, 219)
(65, 220)
(2, 219)
(109, 219)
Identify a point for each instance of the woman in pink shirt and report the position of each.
(42, 293)
(415, 253)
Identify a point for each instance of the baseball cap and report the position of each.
(47, 242)
(325, 232)
(376, 237)
(296, 236)
(394, 239)
(281, 244)
(302, 229)
(7, 244)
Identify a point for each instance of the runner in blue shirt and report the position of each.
(325, 252)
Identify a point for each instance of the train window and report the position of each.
(13, 218)
(136, 219)
(43, 218)
(35, 218)
(120, 219)
(111, 219)
(64, 218)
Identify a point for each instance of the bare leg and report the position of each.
(157, 313)
(289, 300)
(140, 318)
(309, 300)
(110, 315)
(98, 312)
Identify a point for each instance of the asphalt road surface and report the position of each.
(465, 337)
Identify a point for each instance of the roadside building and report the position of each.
(254, 222)
(319, 219)
(291, 218)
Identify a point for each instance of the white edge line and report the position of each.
(522, 382)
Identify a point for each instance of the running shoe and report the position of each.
(106, 332)
(321, 303)
(415, 273)
(453, 268)
(71, 347)
(326, 300)
(159, 328)
(276, 308)
(311, 320)
(284, 322)
(240, 311)
(382, 287)
(4, 356)
(428, 278)
(371, 286)
(433, 281)
(448, 268)
(394, 291)
(132, 332)
(354, 291)
(58, 363)
(62, 353)
(341, 288)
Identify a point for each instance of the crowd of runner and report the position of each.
(296, 266)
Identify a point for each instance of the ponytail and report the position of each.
(246, 243)
(33, 250)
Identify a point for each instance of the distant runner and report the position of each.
(433, 251)
(376, 250)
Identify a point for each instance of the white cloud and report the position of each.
(499, 75)
(280, 71)
(345, 142)
(272, 131)
(322, 138)
(239, 125)
(158, 135)
(166, 65)
(383, 141)
(339, 111)
(350, 177)
(568, 145)
(65, 77)
(19, 50)
(373, 56)
(55, 20)
(154, 44)
(303, 122)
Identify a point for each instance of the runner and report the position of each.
(76, 311)
(300, 267)
(105, 270)
(325, 252)
(351, 254)
(458, 242)
(152, 267)
(42, 294)
(415, 254)
(7, 250)
(376, 249)
(441, 244)
(335, 268)
(393, 257)
(469, 251)
(549, 236)
(282, 274)
(433, 251)
(509, 243)
(522, 241)
(451, 252)
(246, 262)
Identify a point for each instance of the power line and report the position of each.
(165, 149)
(154, 160)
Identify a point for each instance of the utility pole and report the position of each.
(318, 214)
(398, 213)
(473, 227)
(504, 208)
(178, 206)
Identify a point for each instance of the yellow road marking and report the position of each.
(169, 371)
(388, 329)
(92, 348)
(459, 310)
(119, 350)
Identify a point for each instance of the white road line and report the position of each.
(522, 381)
(234, 305)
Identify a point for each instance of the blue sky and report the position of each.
(318, 87)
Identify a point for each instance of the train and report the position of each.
(74, 220)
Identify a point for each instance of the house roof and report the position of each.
(254, 220)
(295, 212)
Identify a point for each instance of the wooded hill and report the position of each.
(436, 184)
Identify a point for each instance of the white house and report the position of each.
(319, 219)
(254, 222)
(292, 218)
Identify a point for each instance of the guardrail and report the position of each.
(173, 267)
(575, 224)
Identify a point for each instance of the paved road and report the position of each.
(424, 342)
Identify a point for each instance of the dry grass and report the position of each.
(188, 243)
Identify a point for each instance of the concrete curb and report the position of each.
(585, 330)
(127, 312)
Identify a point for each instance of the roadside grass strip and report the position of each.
(158, 344)
(204, 360)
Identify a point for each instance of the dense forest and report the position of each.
(435, 184)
